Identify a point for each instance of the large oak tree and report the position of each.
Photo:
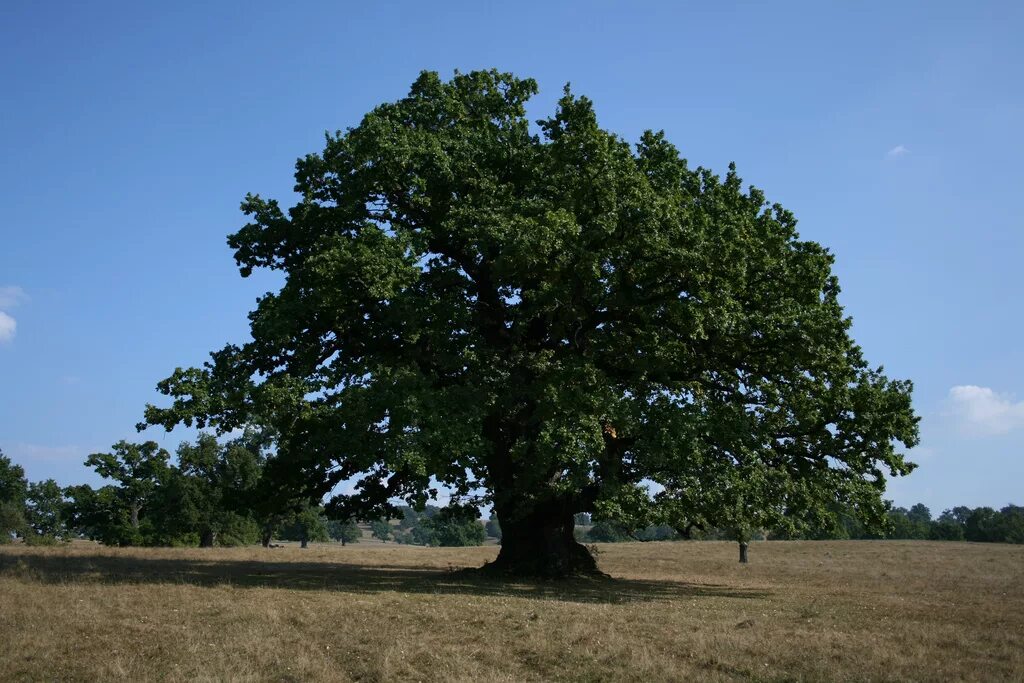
(548, 319)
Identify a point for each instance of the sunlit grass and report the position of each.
(673, 611)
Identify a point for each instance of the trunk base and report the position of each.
(542, 547)
(580, 564)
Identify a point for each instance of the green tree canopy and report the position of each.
(345, 531)
(451, 526)
(101, 514)
(304, 524)
(137, 468)
(545, 318)
(381, 530)
(13, 484)
(217, 481)
(13, 491)
(46, 509)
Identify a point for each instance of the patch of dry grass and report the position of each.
(802, 611)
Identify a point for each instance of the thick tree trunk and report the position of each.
(743, 552)
(208, 539)
(265, 538)
(541, 544)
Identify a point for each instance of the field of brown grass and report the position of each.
(801, 611)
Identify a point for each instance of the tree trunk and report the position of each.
(265, 538)
(208, 539)
(743, 552)
(541, 544)
(135, 508)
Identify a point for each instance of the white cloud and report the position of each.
(897, 151)
(981, 411)
(10, 296)
(8, 326)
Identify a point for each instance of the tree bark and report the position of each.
(265, 538)
(208, 539)
(743, 552)
(541, 544)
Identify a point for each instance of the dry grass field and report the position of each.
(802, 611)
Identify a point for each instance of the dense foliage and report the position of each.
(543, 318)
(449, 526)
(13, 491)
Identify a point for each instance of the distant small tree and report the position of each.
(920, 514)
(46, 510)
(345, 531)
(381, 530)
(13, 490)
(306, 524)
(408, 517)
(138, 469)
(449, 531)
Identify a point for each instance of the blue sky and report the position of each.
(130, 133)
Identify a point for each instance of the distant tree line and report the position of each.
(982, 524)
(437, 526)
(962, 523)
(213, 495)
(221, 494)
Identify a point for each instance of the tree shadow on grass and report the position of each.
(350, 578)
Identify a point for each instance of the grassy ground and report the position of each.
(802, 611)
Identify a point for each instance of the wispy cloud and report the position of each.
(897, 152)
(983, 412)
(10, 296)
(8, 326)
